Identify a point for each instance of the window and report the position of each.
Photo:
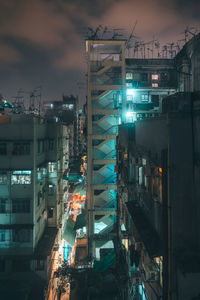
(20, 205)
(3, 177)
(2, 265)
(155, 84)
(154, 76)
(3, 148)
(144, 76)
(145, 97)
(21, 177)
(21, 148)
(51, 189)
(39, 265)
(155, 100)
(51, 167)
(164, 76)
(129, 76)
(129, 97)
(21, 265)
(21, 235)
(3, 202)
(39, 198)
(2, 235)
(51, 144)
(50, 212)
(39, 142)
(129, 84)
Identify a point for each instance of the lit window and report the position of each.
(144, 97)
(20, 205)
(3, 177)
(129, 97)
(3, 148)
(129, 84)
(21, 177)
(129, 76)
(51, 167)
(155, 84)
(154, 76)
(21, 148)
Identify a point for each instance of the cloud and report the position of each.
(57, 26)
(8, 54)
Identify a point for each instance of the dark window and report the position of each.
(39, 146)
(164, 76)
(3, 177)
(51, 144)
(21, 235)
(51, 189)
(2, 265)
(21, 148)
(50, 212)
(2, 235)
(144, 76)
(21, 205)
(39, 265)
(39, 198)
(155, 100)
(43, 145)
(3, 148)
(21, 265)
(3, 205)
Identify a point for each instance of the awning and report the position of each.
(80, 220)
(147, 233)
(69, 234)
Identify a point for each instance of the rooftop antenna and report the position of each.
(164, 51)
(94, 33)
(116, 33)
(171, 50)
(131, 36)
(19, 99)
(105, 31)
(157, 46)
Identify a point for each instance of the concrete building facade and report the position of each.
(34, 155)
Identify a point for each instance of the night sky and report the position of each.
(42, 42)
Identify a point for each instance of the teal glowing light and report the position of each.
(131, 116)
(130, 92)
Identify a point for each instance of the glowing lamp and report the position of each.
(130, 92)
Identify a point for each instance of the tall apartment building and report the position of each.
(106, 82)
(120, 90)
(158, 190)
(33, 157)
(67, 112)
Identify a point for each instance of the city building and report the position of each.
(34, 155)
(158, 189)
(67, 112)
(119, 91)
(139, 203)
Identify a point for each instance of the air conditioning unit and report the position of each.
(151, 272)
